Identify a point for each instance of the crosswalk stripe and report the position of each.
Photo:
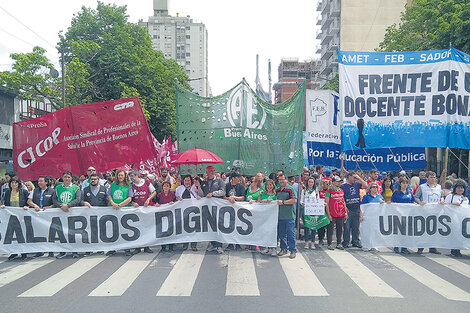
(427, 278)
(55, 283)
(23, 269)
(241, 275)
(123, 278)
(180, 281)
(367, 280)
(301, 278)
(453, 264)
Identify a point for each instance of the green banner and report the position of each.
(242, 129)
(316, 221)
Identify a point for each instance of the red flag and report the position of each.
(105, 135)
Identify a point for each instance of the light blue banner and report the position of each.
(404, 99)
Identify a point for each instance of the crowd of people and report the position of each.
(343, 193)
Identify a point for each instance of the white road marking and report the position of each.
(123, 278)
(301, 278)
(21, 270)
(241, 275)
(428, 278)
(364, 278)
(180, 281)
(55, 283)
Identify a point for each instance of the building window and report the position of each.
(188, 54)
(188, 36)
(156, 36)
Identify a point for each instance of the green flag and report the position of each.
(316, 221)
(242, 129)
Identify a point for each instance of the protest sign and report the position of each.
(105, 134)
(314, 206)
(324, 115)
(403, 99)
(85, 229)
(415, 226)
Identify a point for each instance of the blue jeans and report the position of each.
(351, 226)
(310, 234)
(286, 231)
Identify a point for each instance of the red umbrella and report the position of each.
(197, 156)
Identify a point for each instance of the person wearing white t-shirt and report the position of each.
(457, 197)
(429, 192)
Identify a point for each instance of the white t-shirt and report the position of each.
(455, 199)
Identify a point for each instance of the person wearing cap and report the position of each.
(86, 183)
(286, 198)
(401, 175)
(351, 188)
(213, 187)
(337, 212)
(234, 191)
(327, 173)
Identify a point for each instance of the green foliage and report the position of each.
(120, 61)
(106, 58)
(332, 84)
(429, 25)
(31, 77)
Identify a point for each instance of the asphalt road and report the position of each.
(239, 281)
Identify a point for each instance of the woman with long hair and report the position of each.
(266, 196)
(387, 189)
(119, 195)
(166, 197)
(15, 196)
(457, 197)
(309, 192)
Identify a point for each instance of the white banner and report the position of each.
(323, 118)
(102, 229)
(415, 226)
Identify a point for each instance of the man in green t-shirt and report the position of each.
(286, 198)
(66, 195)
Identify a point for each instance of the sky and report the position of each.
(237, 31)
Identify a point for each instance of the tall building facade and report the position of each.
(356, 25)
(291, 74)
(360, 25)
(329, 21)
(182, 39)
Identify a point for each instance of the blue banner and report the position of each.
(404, 99)
(391, 159)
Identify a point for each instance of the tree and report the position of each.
(332, 84)
(429, 25)
(106, 58)
(120, 60)
(32, 77)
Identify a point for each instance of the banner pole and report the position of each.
(299, 206)
(446, 161)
